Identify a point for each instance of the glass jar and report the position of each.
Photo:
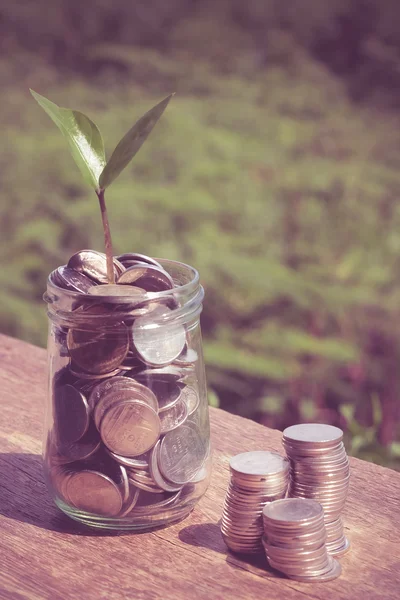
(127, 437)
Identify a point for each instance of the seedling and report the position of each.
(87, 149)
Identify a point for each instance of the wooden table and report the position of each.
(45, 555)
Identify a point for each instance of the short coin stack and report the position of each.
(294, 540)
(256, 478)
(319, 469)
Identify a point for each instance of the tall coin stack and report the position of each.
(256, 478)
(319, 469)
(294, 540)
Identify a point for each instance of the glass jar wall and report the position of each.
(127, 441)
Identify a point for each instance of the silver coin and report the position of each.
(146, 487)
(169, 373)
(148, 277)
(140, 462)
(92, 264)
(293, 510)
(134, 263)
(94, 492)
(258, 463)
(102, 388)
(155, 471)
(158, 344)
(313, 434)
(142, 476)
(182, 454)
(142, 258)
(188, 357)
(123, 483)
(167, 392)
(130, 503)
(174, 417)
(191, 398)
(337, 549)
(130, 428)
(136, 294)
(71, 414)
(70, 279)
(332, 572)
(146, 307)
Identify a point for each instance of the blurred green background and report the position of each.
(274, 171)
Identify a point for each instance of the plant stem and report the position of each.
(107, 237)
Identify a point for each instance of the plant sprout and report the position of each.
(87, 148)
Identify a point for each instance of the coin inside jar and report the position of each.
(92, 264)
(101, 389)
(94, 492)
(174, 417)
(115, 290)
(188, 357)
(148, 277)
(182, 454)
(71, 414)
(190, 397)
(169, 373)
(130, 428)
(156, 473)
(84, 448)
(140, 463)
(130, 503)
(98, 351)
(123, 393)
(158, 343)
(141, 258)
(59, 477)
(167, 392)
(70, 279)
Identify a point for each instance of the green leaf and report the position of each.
(83, 137)
(131, 143)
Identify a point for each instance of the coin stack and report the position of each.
(256, 478)
(294, 540)
(319, 469)
(127, 434)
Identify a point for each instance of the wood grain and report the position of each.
(44, 555)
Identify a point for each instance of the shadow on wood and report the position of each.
(208, 535)
(24, 497)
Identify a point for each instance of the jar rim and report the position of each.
(188, 293)
(181, 289)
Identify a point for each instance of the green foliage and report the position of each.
(86, 143)
(359, 39)
(281, 193)
(83, 137)
(131, 143)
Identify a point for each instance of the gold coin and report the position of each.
(130, 428)
(94, 492)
